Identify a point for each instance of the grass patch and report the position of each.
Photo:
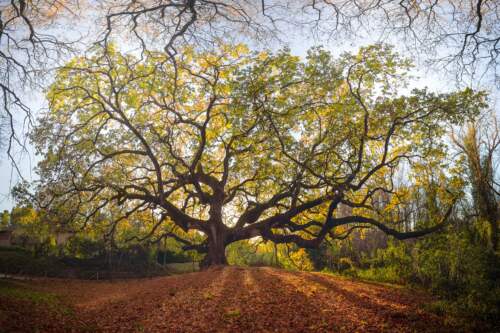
(439, 307)
(185, 267)
(17, 291)
(383, 274)
(370, 278)
(23, 309)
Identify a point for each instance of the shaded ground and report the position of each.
(229, 299)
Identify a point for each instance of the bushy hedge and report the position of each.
(118, 264)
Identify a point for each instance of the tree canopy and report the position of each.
(238, 144)
(36, 36)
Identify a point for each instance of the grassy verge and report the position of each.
(16, 290)
(180, 268)
(23, 309)
(464, 313)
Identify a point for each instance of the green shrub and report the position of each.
(462, 271)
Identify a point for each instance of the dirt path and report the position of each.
(232, 299)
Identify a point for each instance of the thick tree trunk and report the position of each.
(216, 256)
(216, 249)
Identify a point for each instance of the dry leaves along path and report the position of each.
(228, 299)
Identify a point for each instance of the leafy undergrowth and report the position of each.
(229, 299)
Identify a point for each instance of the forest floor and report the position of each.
(229, 299)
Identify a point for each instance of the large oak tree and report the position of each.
(235, 144)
